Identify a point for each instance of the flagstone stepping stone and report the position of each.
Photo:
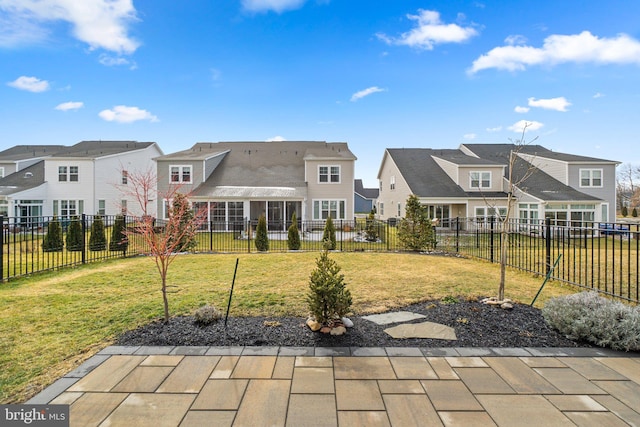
(395, 317)
(422, 330)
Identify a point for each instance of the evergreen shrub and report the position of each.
(97, 240)
(262, 238)
(293, 234)
(329, 299)
(52, 241)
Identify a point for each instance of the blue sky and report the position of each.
(396, 73)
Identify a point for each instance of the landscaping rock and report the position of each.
(313, 324)
(338, 330)
(393, 317)
(422, 330)
(347, 322)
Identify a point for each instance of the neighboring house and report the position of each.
(88, 177)
(236, 181)
(472, 181)
(365, 198)
(19, 157)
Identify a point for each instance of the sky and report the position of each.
(382, 74)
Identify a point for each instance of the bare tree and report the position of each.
(163, 241)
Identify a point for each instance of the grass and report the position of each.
(52, 322)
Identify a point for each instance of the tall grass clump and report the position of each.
(587, 316)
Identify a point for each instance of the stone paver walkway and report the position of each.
(284, 386)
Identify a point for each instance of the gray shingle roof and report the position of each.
(426, 178)
(22, 152)
(96, 149)
(29, 177)
(535, 150)
(367, 193)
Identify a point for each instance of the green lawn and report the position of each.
(52, 322)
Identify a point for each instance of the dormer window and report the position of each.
(480, 180)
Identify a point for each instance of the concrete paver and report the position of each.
(226, 386)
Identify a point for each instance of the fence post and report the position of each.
(84, 238)
(491, 225)
(1, 248)
(211, 236)
(547, 241)
(457, 234)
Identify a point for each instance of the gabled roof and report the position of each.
(273, 164)
(486, 150)
(367, 193)
(426, 178)
(29, 177)
(23, 152)
(97, 149)
(531, 180)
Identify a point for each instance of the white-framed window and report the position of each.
(2, 172)
(480, 179)
(591, 178)
(102, 207)
(381, 208)
(329, 174)
(180, 174)
(485, 212)
(68, 173)
(123, 206)
(528, 213)
(68, 208)
(392, 182)
(125, 177)
(323, 209)
(399, 209)
(4, 208)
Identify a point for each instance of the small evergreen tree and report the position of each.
(371, 231)
(415, 232)
(98, 240)
(624, 211)
(293, 235)
(186, 231)
(634, 213)
(329, 235)
(74, 235)
(262, 238)
(52, 241)
(328, 297)
(119, 241)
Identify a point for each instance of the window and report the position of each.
(392, 183)
(590, 177)
(123, 207)
(399, 209)
(4, 208)
(1, 172)
(180, 174)
(329, 174)
(68, 173)
(483, 213)
(125, 177)
(236, 211)
(101, 207)
(381, 208)
(68, 208)
(323, 209)
(480, 179)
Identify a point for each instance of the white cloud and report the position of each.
(277, 138)
(274, 5)
(102, 24)
(66, 106)
(366, 92)
(125, 114)
(469, 136)
(31, 84)
(557, 104)
(515, 40)
(519, 126)
(520, 109)
(430, 30)
(112, 61)
(557, 49)
(598, 95)
(495, 129)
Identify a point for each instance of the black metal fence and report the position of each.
(598, 256)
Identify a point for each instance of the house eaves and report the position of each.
(25, 179)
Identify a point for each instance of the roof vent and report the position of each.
(28, 174)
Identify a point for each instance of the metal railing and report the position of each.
(598, 256)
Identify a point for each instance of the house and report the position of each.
(365, 198)
(21, 156)
(236, 181)
(472, 181)
(89, 177)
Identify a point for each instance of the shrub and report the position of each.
(589, 317)
(634, 212)
(328, 297)
(625, 211)
(52, 241)
(74, 235)
(262, 239)
(329, 235)
(183, 232)
(415, 232)
(293, 235)
(119, 241)
(98, 240)
(207, 314)
(371, 230)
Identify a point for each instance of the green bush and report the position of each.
(262, 238)
(119, 241)
(293, 234)
(415, 232)
(329, 235)
(329, 299)
(206, 315)
(371, 230)
(74, 237)
(634, 213)
(182, 225)
(98, 240)
(587, 316)
(52, 241)
(624, 212)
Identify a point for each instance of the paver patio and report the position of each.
(237, 386)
